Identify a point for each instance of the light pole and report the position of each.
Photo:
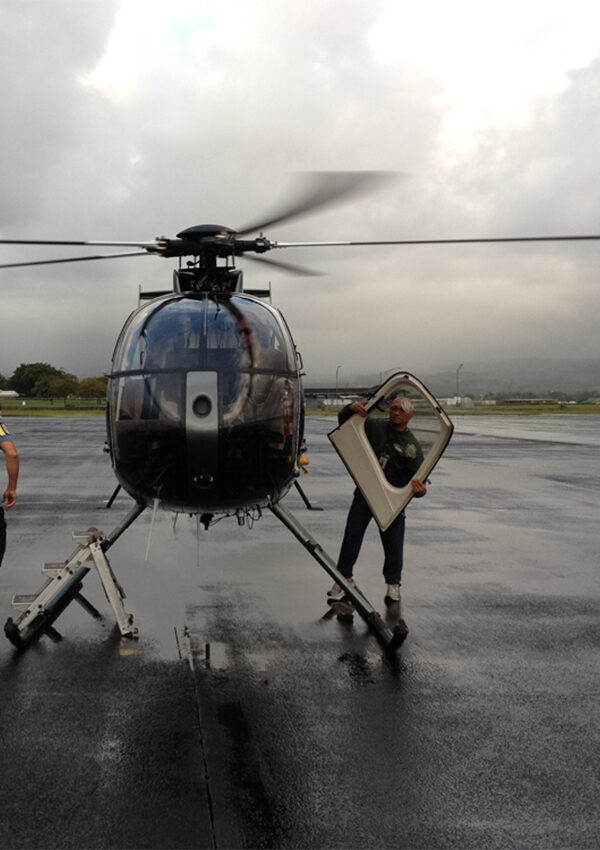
(457, 392)
(337, 371)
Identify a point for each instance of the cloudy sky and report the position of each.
(131, 119)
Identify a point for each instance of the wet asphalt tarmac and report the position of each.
(247, 716)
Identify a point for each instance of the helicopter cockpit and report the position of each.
(204, 403)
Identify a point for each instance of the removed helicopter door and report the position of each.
(429, 425)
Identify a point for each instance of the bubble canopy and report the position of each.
(204, 403)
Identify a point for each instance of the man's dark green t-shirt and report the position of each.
(398, 452)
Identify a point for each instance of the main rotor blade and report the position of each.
(74, 259)
(321, 189)
(290, 268)
(484, 240)
(147, 245)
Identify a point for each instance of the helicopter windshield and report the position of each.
(205, 333)
(193, 377)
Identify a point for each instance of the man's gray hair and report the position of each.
(405, 403)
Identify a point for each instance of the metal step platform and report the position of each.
(64, 581)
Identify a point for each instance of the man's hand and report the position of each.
(9, 498)
(360, 407)
(419, 487)
(11, 455)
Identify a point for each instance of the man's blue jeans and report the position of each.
(359, 516)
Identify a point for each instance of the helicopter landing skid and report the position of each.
(63, 586)
(390, 638)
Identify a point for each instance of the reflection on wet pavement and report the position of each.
(248, 714)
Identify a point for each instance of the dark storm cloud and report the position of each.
(44, 46)
(133, 120)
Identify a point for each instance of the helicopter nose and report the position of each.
(202, 427)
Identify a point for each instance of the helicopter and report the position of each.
(205, 408)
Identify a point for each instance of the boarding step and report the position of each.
(55, 574)
(23, 601)
(52, 570)
(63, 585)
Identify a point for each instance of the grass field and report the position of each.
(62, 412)
(52, 407)
(502, 409)
(97, 407)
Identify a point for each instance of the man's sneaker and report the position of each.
(392, 596)
(337, 592)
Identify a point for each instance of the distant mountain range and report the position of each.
(535, 377)
(532, 376)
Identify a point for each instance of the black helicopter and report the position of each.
(205, 410)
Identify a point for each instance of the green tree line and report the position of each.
(41, 380)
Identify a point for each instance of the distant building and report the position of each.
(459, 401)
(530, 401)
(337, 403)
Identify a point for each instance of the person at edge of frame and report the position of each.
(9, 497)
(400, 455)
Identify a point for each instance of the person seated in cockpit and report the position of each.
(257, 392)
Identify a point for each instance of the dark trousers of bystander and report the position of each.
(392, 539)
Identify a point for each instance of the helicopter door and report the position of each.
(430, 426)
